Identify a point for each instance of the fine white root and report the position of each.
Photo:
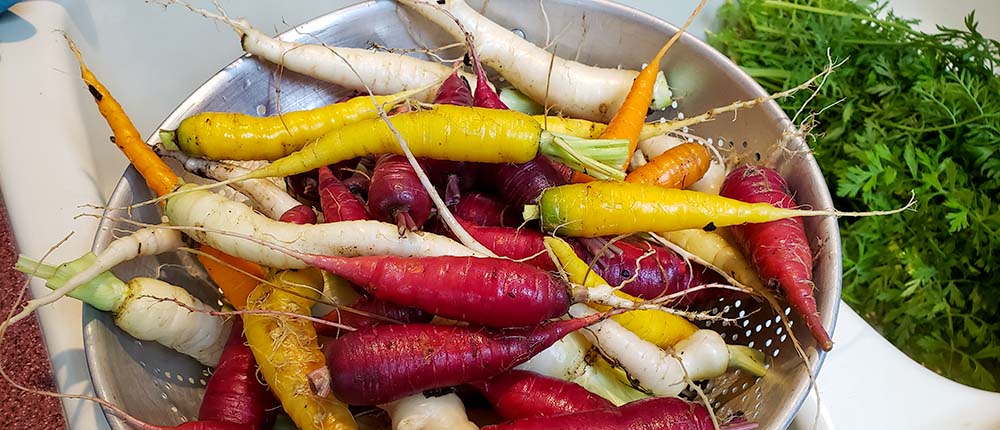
(145, 241)
(382, 72)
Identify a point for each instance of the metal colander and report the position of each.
(165, 387)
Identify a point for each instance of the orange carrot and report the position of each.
(236, 277)
(678, 167)
(162, 180)
(631, 116)
(158, 175)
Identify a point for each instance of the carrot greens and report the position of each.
(907, 111)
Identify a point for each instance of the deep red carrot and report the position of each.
(371, 306)
(525, 245)
(779, 250)
(454, 91)
(301, 214)
(659, 274)
(337, 201)
(658, 413)
(521, 394)
(485, 96)
(380, 364)
(358, 183)
(396, 195)
(493, 292)
(484, 210)
(234, 393)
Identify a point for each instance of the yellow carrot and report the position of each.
(287, 352)
(612, 208)
(658, 327)
(158, 175)
(678, 167)
(717, 251)
(454, 133)
(238, 136)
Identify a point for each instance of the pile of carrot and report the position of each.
(423, 294)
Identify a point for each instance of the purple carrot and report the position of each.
(661, 273)
(337, 201)
(521, 394)
(380, 364)
(396, 195)
(521, 184)
(494, 292)
(378, 308)
(484, 210)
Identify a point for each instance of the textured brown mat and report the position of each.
(23, 353)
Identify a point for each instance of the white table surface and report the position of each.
(54, 158)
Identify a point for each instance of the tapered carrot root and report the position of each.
(522, 394)
(778, 249)
(678, 167)
(384, 363)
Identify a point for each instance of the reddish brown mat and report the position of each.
(23, 354)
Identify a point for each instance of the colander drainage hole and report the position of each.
(745, 322)
(738, 303)
(782, 338)
(748, 333)
(519, 33)
(163, 396)
(750, 344)
(173, 409)
(168, 375)
(735, 337)
(757, 328)
(756, 155)
(776, 352)
(767, 343)
(180, 378)
(202, 382)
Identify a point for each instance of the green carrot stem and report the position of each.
(105, 292)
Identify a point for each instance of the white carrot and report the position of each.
(567, 359)
(267, 198)
(575, 89)
(209, 211)
(700, 356)
(419, 412)
(383, 72)
(149, 309)
(71, 275)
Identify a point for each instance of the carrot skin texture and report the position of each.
(443, 132)
(454, 91)
(524, 244)
(483, 210)
(160, 178)
(522, 184)
(337, 201)
(300, 214)
(505, 293)
(657, 413)
(604, 208)
(678, 167)
(387, 362)
(396, 195)
(234, 394)
(778, 249)
(660, 274)
(235, 284)
(521, 394)
(370, 305)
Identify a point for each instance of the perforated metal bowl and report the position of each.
(164, 387)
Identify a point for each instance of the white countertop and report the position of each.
(54, 158)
